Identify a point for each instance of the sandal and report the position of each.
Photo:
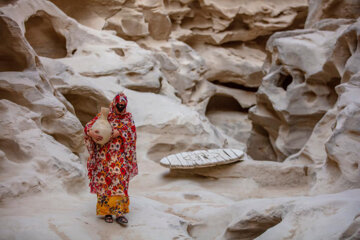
(121, 220)
(108, 218)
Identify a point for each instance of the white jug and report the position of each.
(102, 127)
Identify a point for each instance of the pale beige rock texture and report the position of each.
(198, 75)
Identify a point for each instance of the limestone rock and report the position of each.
(15, 51)
(128, 24)
(240, 65)
(295, 217)
(171, 127)
(56, 74)
(329, 146)
(36, 160)
(226, 21)
(182, 66)
(263, 173)
(318, 10)
(88, 53)
(159, 24)
(205, 21)
(92, 13)
(228, 108)
(37, 124)
(298, 88)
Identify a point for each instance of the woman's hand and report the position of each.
(95, 135)
(115, 134)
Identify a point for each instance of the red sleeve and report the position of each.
(132, 161)
(90, 145)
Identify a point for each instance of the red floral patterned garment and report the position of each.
(111, 166)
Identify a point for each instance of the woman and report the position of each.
(113, 165)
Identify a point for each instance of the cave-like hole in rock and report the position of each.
(284, 81)
(11, 59)
(42, 36)
(310, 96)
(177, 53)
(132, 74)
(237, 24)
(355, 165)
(235, 86)
(226, 113)
(224, 103)
(85, 107)
(119, 51)
(332, 96)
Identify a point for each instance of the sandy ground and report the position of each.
(162, 206)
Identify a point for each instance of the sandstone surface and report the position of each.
(198, 75)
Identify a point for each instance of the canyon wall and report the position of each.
(277, 79)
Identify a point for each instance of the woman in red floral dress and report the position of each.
(111, 166)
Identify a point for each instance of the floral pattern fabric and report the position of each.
(113, 165)
(113, 205)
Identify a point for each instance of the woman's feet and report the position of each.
(121, 220)
(108, 218)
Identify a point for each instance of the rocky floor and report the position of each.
(183, 209)
(279, 80)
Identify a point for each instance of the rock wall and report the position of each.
(62, 89)
(279, 79)
(41, 138)
(306, 102)
(228, 37)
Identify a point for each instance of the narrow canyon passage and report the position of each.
(275, 80)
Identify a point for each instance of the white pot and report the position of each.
(102, 127)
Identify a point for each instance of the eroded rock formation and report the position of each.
(265, 77)
(40, 136)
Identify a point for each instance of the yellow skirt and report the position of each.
(112, 205)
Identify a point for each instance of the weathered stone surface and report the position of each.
(42, 36)
(14, 50)
(182, 66)
(38, 155)
(297, 218)
(263, 173)
(206, 21)
(298, 89)
(322, 9)
(56, 74)
(226, 21)
(159, 24)
(36, 126)
(331, 146)
(91, 13)
(171, 127)
(128, 24)
(241, 65)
